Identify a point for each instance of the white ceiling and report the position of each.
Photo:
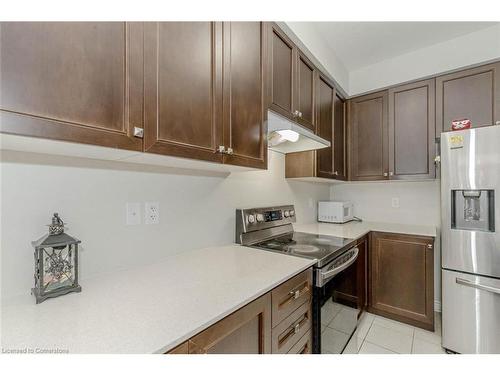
(358, 44)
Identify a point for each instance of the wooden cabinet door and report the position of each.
(411, 131)
(282, 66)
(245, 111)
(72, 81)
(402, 278)
(325, 123)
(339, 139)
(183, 89)
(305, 92)
(246, 331)
(369, 137)
(472, 93)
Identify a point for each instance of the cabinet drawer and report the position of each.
(304, 345)
(291, 329)
(293, 293)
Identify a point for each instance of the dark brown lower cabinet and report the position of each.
(246, 331)
(278, 322)
(402, 278)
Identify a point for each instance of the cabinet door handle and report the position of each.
(220, 150)
(138, 132)
(229, 151)
(336, 173)
(390, 173)
(385, 174)
(296, 113)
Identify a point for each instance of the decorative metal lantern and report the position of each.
(56, 263)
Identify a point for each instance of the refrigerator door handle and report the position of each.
(477, 286)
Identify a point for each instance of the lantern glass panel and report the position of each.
(58, 267)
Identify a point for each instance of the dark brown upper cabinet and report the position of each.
(325, 121)
(244, 96)
(282, 66)
(411, 131)
(292, 80)
(369, 157)
(72, 81)
(473, 94)
(205, 91)
(339, 139)
(327, 162)
(183, 89)
(402, 278)
(305, 92)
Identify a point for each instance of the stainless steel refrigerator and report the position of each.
(470, 220)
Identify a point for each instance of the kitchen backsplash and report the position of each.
(196, 209)
(394, 202)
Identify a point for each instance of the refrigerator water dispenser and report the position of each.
(473, 210)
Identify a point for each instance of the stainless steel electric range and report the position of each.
(337, 302)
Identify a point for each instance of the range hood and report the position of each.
(286, 136)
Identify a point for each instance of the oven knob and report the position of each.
(260, 218)
(292, 213)
(287, 213)
(251, 219)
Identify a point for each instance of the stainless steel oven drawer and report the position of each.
(471, 311)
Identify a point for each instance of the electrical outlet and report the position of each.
(152, 212)
(310, 203)
(133, 213)
(395, 202)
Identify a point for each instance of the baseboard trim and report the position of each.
(437, 306)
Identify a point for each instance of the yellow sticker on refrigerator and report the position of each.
(456, 141)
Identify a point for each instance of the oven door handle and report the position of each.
(327, 275)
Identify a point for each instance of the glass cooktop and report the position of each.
(307, 245)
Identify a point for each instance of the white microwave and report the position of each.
(335, 211)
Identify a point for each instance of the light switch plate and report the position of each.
(395, 202)
(152, 212)
(133, 213)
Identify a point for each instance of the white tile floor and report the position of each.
(378, 335)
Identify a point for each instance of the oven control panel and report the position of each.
(252, 219)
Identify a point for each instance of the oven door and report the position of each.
(338, 300)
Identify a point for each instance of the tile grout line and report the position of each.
(412, 341)
(391, 329)
(364, 338)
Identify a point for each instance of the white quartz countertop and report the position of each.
(148, 309)
(356, 229)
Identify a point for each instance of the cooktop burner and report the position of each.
(307, 245)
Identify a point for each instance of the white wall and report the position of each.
(321, 51)
(474, 48)
(195, 211)
(419, 204)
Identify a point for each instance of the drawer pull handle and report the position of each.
(293, 329)
(295, 294)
